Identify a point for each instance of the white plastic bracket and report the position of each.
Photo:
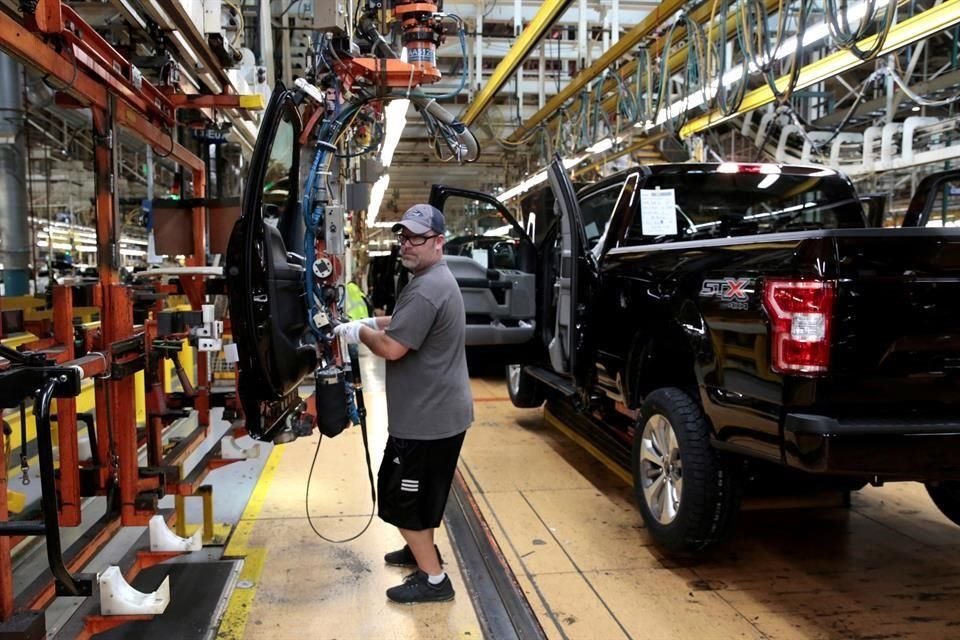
(118, 598)
(230, 450)
(163, 539)
(231, 353)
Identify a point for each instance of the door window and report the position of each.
(725, 205)
(596, 208)
(945, 210)
(477, 229)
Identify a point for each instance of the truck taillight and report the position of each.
(801, 312)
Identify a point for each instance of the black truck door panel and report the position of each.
(936, 202)
(265, 274)
(571, 347)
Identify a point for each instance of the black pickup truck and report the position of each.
(712, 324)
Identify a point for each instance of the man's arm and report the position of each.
(381, 344)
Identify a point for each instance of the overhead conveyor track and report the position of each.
(546, 16)
(910, 31)
(657, 17)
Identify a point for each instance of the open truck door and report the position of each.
(265, 270)
(574, 282)
(496, 269)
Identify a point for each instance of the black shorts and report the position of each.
(414, 481)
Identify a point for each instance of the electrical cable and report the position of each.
(461, 34)
(873, 77)
(239, 33)
(288, 7)
(306, 499)
(846, 38)
(727, 101)
(172, 145)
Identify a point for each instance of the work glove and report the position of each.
(349, 332)
(371, 322)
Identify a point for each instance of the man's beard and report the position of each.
(409, 262)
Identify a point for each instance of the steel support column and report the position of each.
(69, 484)
(194, 285)
(583, 39)
(116, 322)
(14, 230)
(542, 76)
(517, 30)
(478, 51)
(614, 22)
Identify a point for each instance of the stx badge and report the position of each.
(732, 292)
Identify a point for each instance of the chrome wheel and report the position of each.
(661, 471)
(513, 379)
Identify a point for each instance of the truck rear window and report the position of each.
(723, 205)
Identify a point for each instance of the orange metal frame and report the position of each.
(57, 42)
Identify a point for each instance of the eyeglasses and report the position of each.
(414, 241)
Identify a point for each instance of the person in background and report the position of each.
(356, 306)
(429, 402)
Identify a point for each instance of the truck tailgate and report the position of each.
(897, 323)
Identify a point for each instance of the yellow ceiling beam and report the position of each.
(911, 30)
(621, 47)
(548, 13)
(679, 57)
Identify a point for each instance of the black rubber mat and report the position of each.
(195, 592)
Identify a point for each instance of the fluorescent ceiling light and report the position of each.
(604, 145)
(382, 224)
(524, 186)
(376, 197)
(538, 178)
(499, 231)
(396, 116)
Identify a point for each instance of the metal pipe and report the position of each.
(542, 77)
(583, 50)
(14, 230)
(478, 51)
(6, 562)
(66, 583)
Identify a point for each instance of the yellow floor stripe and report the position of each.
(554, 421)
(234, 621)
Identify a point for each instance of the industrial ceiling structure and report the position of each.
(870, 90)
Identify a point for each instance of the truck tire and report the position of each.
(525, 391)
(946, 495)
(687, 491)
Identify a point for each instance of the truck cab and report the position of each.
(706, 324)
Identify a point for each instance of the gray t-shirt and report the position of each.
(428, 389)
